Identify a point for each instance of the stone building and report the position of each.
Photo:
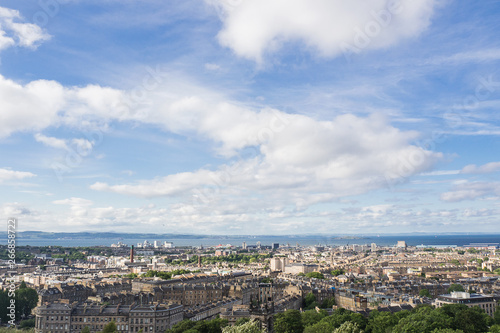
(72, 318)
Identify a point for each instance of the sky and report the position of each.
(250, 116)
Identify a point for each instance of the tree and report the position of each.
(316, 275)
(337, 272)
(328, 303)
(348, 327)
(311, 317)
(181, 326)
(470, 320)
(28, 323)
(321, 327)
(423, 319)
(241, 321)
(494, 329)
(109, 328)
(86, 329)
(310, 301)
(496, 316)
(381, 322)
(455, 287)
(289, 321)
(251, 326)
(26, 299)
(424, 293)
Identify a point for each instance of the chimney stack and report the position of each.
(131, 254)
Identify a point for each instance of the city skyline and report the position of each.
(250, 116)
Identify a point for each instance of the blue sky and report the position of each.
(250, 116)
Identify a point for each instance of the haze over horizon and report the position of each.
(249, 117)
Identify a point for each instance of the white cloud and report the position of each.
(51, 141)
(40, 104)
(19, 33)
(486, 168)
(73, 202)
(253, 28)
(6, 174)
(301, 162)
(212, 67)
(29, 107)
(306, 160)
(471, 190)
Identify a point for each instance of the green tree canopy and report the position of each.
(348, 327)
(311, 317)
(424, 293)
(289, 321)
(316, 275)
(109, 328)
(455, 287)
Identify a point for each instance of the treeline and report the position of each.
(456, 318)
(453, 318)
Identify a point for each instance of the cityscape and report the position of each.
(250, 166)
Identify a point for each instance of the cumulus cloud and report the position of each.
(15, 32)
(40, 104)
(6, 174)
(486, 168)
(252, 28)
(302, 161)
(305, 160)
(471, 190)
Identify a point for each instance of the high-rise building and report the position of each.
(244, 246)
(276, 246)
(374, 247)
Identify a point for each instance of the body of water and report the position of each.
(458, 240)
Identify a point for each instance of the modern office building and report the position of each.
(487, 303)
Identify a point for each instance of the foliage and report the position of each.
(328, 303)
(251, 326)
(381, 322)
(424, 293)
(109, 328)
(455, 287)
(25, 300)
(310, 301)
(14, 330)
(86, 329)
(166, 275)
(348, 327)
(131, 276)
(311, 317)
(470, 320)
(316, 275)
(337, 272)
(494, 329)
(241, 321)
(423, 320)
(289, 321)
(28, 323)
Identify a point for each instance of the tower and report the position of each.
(131, 254)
